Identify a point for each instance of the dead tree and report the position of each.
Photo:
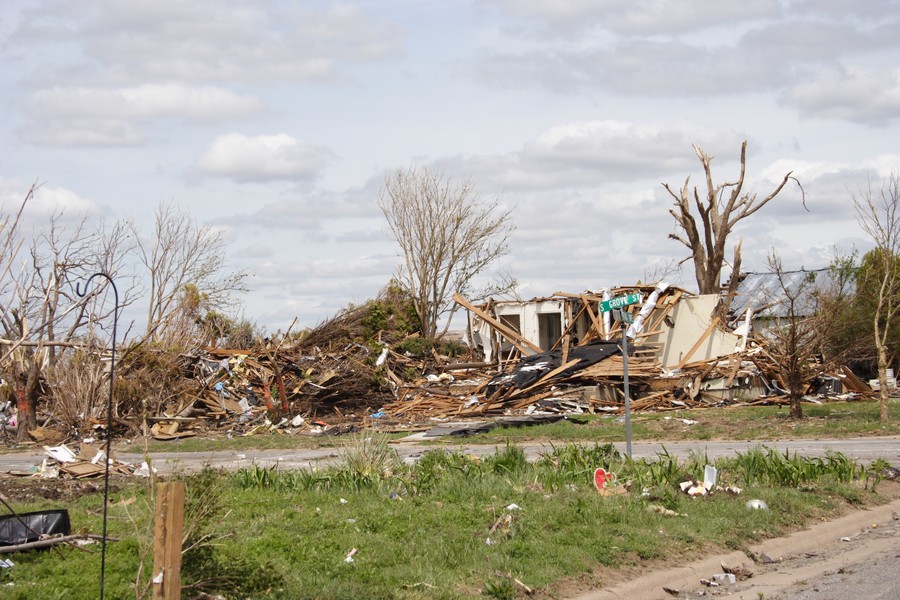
(718, 210)
(878, 214)
(185, 264)
(447, 237)
(793, 341)
(40, 317)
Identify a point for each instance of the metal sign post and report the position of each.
(627, 394)
(615, 305)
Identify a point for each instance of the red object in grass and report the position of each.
(602, 478)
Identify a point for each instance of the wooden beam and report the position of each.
(594, 320)
(512, 337)
(167, 541)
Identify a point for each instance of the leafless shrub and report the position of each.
(79, 389)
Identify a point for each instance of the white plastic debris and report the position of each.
(47, 470)
(297, 421)
(61, 453)
(710, 475)
(757, 504)
(382, 358)
(349, 558)
(513, 506)
(343, 501)
(144, 470)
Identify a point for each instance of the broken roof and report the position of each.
(763, 292)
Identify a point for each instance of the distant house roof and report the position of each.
(763, 292)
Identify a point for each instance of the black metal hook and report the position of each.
(109, 413)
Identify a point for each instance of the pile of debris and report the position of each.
(88, 462)
(680, 356)
(291, 385)
(556, 355)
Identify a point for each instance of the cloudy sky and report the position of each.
(276, 122)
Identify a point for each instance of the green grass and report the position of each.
(441, 528)
(760, 423)
(260, 441)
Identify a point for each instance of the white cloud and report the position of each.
(645, 17)
(46, 201)
(262, 158)
(588, 153)
(644, 51)
(209, 40)
(257, 251)
(852, 94)
(78, 115)
(147, 101)
(82, 132)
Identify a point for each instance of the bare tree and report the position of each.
(447, 237)
(719, 209)
(185, 264)
(40, 317)
(878, 214)
(794, 340)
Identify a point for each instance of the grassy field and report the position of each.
(448, 526)
(759, 423)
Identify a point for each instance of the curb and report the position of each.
(649, 586)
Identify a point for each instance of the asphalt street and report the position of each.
(863, 449)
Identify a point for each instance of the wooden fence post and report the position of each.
(167, 541)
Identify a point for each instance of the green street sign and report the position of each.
(622, 316)
(619, 302)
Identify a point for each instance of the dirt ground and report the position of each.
(27, 489)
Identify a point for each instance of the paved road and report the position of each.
(862, 449)
(854, 556)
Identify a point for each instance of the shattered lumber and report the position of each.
(341, 376)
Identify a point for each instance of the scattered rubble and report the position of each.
(558, 355)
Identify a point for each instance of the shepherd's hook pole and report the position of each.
(626, 391)
(109, 413)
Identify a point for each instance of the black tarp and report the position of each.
(531, 368)
(29, 527)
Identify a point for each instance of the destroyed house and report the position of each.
(677, 325)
